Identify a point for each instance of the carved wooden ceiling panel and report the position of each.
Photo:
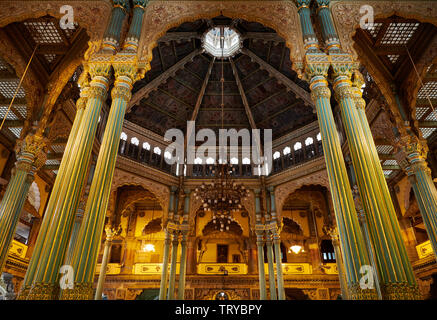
(178, 86)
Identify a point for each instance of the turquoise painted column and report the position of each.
(272, 285)
(74, 234)
(110, 233)
(164, 271)
(111, 38)
(395, 270)
(62, 208)
(174, 252)
(184, 234)
(329, 33)
(259, 231)
(31, 154)
(412, 158)
(309, 36)
(34, 261)
(90, 234)
(351, 239)
(133, 36)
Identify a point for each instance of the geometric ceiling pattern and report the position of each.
(184, 89)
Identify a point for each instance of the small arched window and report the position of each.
(146, 146)
(309, 141)
(246, 161)
(167, 155)
(198, 160)
(234, 161)
(276, 155)
(135, 141)
(210, 160)
(123, 136)
(286, 151)
(157, 150)
(319, 137)
(297, 146)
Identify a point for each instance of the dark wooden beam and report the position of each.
(162, 78)
(427, 124)
(298, 91)
(14, 123)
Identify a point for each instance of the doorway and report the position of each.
(222, 253)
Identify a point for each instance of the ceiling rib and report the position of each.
(300, 93)
(162, 78)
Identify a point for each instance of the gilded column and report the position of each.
(110, 233)
(397, 278)
(174, 252)
(279, 275)
(61, 208)
(259, 230)
(351, 239)
(164, 271)
(60, 179)
(412, 158)
(111, 38)
(74, 234)
(182, 266)
(333, 233)
(90, 233)
(269, 248)
(329, 33)
(31, 155)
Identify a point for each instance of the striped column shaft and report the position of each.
(111, 38)
(133, 36)
(34, 260)
(103, 267)
(174, 252)
(426, 195)
(52, 255)
(329, 33)
(272, 285)
(12, 205)
(73, 239)
(309, 36)
(279, 274)
(340, 265)
(164, 271)
(397, 278)
(90, 233)
(182, 267)
(352, 243)
(261, 271)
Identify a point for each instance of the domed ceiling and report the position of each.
(263, 92)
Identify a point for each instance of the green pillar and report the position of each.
(90, 234)
(74, 234)
(31, 155)
(351, 239)
(182, 267)
(60, 179)
(172, 280)
(396, 274)
(110, 233)
(279, 275)
(62, 208)
(164, 271)
(412, 158)
(272, 286)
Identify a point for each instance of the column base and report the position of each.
(24, 292)
(400, 291)
(81, 291)
(43, 291)
(356, 293)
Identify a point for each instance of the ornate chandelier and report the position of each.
(222, 197)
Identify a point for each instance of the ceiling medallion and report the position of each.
(222, 42)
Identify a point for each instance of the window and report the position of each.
(309, 141)
(135, 141)
(297, 146)
(327, 250)
(276, 155)
(234, 161)
(231, 43)
(246, 161)
(167, 155)
(287, 150)
(146, 146)
(123, 136)
(198, 160)
(210, 160)
(157, 150)
(319, 137)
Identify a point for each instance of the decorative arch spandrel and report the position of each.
(281, 16)
(284, 190)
